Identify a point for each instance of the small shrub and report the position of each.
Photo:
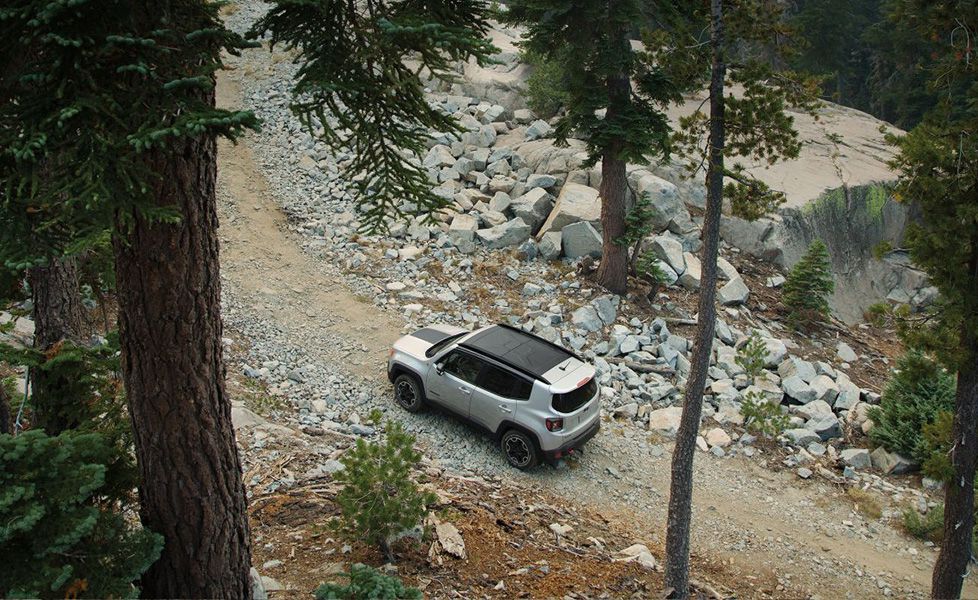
(808, 286)
(914, 396)
(881, 249)
(925, 527)
(638, 225)
(752, 355)
(763, 416)
(379, 498)
(367, 583)
(546, 89)
(647, 267)
(866, 503)
(60, 529)
(935, 447)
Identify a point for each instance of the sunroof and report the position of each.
(519, 349)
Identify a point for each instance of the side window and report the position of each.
(464, 366)
(504, 383)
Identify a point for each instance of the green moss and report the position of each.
(869, 199)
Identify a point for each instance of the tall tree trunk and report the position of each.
(58, 317)
(5, 417)
(169, 291)
(613, 271)
(681, 484)
(959, 492)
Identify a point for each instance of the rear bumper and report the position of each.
(575, 444)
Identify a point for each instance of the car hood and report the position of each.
(418, 342)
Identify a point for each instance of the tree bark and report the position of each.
(959, 493)
(5, 417)
(170, 327)
(613, 271)
(681, 484)
(58, 316)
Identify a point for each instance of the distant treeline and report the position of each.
(870, 53)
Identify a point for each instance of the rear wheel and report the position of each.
(408, 393)
(520, 449)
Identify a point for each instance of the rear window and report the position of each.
(573, 400)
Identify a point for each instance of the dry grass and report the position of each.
(866, 503)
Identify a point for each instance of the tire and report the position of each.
(520, 449)
(408, 393)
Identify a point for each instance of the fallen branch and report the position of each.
(641, 367)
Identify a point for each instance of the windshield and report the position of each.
(442, 344)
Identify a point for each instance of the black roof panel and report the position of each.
(521, 350)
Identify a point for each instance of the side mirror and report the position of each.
(440, 368)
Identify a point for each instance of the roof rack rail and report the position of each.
(544, 340)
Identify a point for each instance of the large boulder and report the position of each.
(665, 419)
(797, 366)
(825, 389)
(734, 292)
(690, 279)
(795, 388)
(439, 156)
(891, 463)
(670, 251)
(463, 227)
(538, 129)
(533, 207)
(581, 239)
(669, 210)
(510, 233)
(574, 204)
(550, 245)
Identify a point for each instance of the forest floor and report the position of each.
(758, 530)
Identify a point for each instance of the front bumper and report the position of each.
(574, 445)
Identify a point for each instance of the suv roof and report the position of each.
(518, 349)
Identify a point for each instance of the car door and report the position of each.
(497, 396)
(452, 381)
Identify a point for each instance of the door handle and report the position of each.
(464, 389)
(505, 408)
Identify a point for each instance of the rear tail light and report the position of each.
(554, 424)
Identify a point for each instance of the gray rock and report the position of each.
(825, 389)
(804, 472)
(670, 251)
(812, 410)
(540, 181)
(439, 156)
(587, 318)
(796, 366)
(846, 353)
(690, 279)
(550, 245)
(669, 209)
(258, 591)
(523, 116)
(511, 233)
(538, 129)
(776, 351)
(891, 463)
(607, 307)
(463, 227)
(802, 436)
(826, 427)
(858, 458)
(531, 289)
(533, 207)
(734, 292)
(500, 202)
(574, 204)
(796, 389)
(581, 239)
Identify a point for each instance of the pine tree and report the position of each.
(620, 122)
(938, 166)
(108, 123)
(355, 91)
(809, 285)
(379, 496)
(737, 48)
(62, 529)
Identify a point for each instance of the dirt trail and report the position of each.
(741, 509)
(268, 267)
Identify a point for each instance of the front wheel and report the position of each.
(407, 392)
(520, 449)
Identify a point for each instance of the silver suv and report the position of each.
(538, 399)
